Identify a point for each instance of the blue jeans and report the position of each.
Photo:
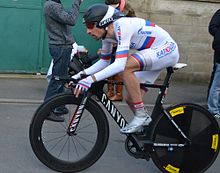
(214, 93)
(61, 59)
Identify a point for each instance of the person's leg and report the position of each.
(128, 99)
(214, 93)
(151, 60)
(216, 55)
(136, 103)
(132, 84)
(118, 96)
(61, 59)
(55, 53)
(110, 88)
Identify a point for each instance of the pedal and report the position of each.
(134, 150)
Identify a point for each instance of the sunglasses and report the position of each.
(90, 25)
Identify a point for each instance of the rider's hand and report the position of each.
(78, 75)
(83, 85)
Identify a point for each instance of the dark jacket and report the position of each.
(59, 22)
(214, 30)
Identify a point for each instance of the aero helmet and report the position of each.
(101, 15)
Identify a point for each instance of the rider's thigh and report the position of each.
(164, 56)
(132, 65)
(159, 57)
(147, 76)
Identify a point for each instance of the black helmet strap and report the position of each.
(106, 31)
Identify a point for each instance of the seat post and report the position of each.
(168, 76)
(158, 108)
(165, 85)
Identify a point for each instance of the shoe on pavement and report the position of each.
(217, 116)
(55, 117)
(136, 124)
(61, 110)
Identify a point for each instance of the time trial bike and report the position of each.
(182, 138)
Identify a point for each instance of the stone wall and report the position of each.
(187, 22)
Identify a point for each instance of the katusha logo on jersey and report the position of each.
(167, 50)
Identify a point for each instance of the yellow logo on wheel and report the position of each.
(172, 169)
(177, 111)
(215, 142)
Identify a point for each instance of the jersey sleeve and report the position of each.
(105, 59)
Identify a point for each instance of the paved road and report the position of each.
(20, 97)
(17, 156)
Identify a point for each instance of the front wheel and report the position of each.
(62, 151)
(201, 129)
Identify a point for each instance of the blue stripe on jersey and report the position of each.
(147, 43)
(138, 58)
(106, 56)
(121, 54)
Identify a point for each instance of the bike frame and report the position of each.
(97, 89)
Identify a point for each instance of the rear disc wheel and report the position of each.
(202, 130)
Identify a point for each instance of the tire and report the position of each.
(200, 127)
(69, 153)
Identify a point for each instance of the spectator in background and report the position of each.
(115, 91)
(214, 92)
(58, 24)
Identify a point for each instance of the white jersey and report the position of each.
(134, 33)
(131, 33)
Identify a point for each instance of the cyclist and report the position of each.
(156, 50)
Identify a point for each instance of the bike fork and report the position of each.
(77, 115)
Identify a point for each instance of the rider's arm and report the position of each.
(99, 65)
(58, 13)
(116, 67)
(104, 61)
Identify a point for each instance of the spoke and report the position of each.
(68, 153)
(80, 144)
(54, 124)
(50, 140)
(75, 147)
(54, 132)
(86, 126)
(62, 124)
(69, 115)
(62, 148)
(56, 144)
(89, 141)
(87, 132)
(84, 116)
